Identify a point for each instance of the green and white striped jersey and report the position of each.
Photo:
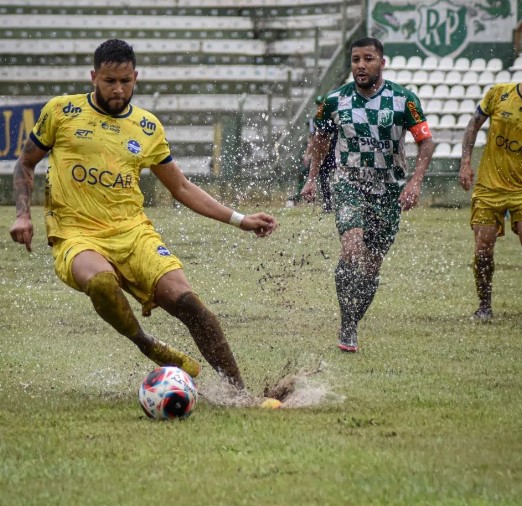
(371, 132)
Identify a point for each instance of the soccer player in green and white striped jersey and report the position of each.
(371, 116)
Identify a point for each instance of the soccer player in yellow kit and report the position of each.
(498, 188)
(102, 241)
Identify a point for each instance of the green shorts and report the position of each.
(139, 256)
(378, 215)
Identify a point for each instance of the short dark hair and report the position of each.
(114, 51)
(369, 41)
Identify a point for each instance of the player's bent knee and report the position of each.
(101, 283)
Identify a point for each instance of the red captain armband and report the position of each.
(420, 131)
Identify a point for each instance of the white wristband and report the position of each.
(236, 219)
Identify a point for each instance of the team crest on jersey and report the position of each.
(385, 117)
(162, 251)
(134, 146)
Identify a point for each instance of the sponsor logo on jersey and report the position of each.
(513, 146)
(506, 114)
(375, 144)
(72, 110)
(162, 251)
(147, 127)
(83, 134)
(104, 177)
(110, 128)
(413, 111)
(504, 96)
(134, 146)
(320, 111)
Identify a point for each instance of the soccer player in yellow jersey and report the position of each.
(498, 188)
(102, 242)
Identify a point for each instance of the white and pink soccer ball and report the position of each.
(167, 393)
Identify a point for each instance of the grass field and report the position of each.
(428, 412)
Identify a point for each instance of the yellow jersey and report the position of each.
(94, 165)
(500, 167)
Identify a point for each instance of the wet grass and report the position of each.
(427, 413)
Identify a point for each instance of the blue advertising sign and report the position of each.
(16, 123)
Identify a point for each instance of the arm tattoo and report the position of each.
(23, 179)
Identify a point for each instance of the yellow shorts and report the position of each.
(139, 257)
(489, 207)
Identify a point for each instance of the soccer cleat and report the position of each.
(348, 340)
(190, 365)
(164, 354)
(483, 314)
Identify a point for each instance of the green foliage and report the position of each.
(428, 412)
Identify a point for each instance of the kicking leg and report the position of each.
(202, 324)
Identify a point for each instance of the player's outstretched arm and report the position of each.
(201, 202)
(23, 180)
(468, 142)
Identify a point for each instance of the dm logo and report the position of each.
(442, 28)
(133, 146)
(148, 127)
(71, 110)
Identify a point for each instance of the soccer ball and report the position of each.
(167, 393)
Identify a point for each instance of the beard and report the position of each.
(372, 80)
(107, 106)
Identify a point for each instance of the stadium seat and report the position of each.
(478, 64)
(420, 77)
(495, 65)
(425, 91)
(467, 105)
(434, 106)
(474, 91)
(456, 150)
(481, 138)
(442, 150)
(517, 64)
(441, 91)
(463, 120)
(486, 78)
(430, 63)
(414, 63)
(463, 64)
(450, 106)
(446, 63)
(403, 77)
(504, 76)
(437, 77)
(433, 120)
(398, 62)
(447, 121)
(453, 77)
(457, 91)
(517, 76)
(388, 73)
(469, 78)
